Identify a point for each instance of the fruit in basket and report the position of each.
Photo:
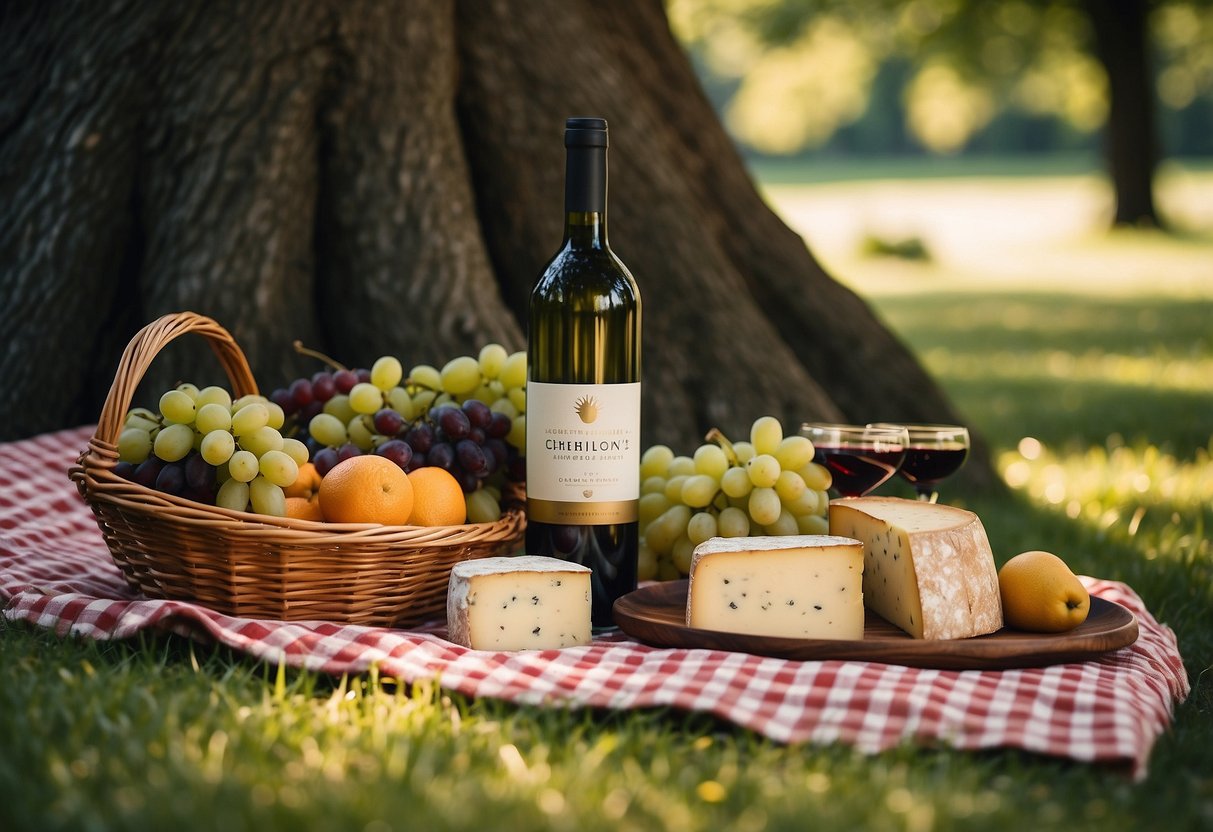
(296, 450)
(437, 499)
(306, 483)
(233, 495)
(366, 398)
(177, 406)
(173, 442)
(460, 376)
(213, 417)
(251, 417)
(217, 447)
(1041, 594)
(202, 440)
(278, 468)
(467, 418)
(329, 429)
(171, 479)
(243, 466)
(766, 486)
(255, 453)
(134, 445)
(386, 373)
(266, 497)
(366, 489)
(483, 506)
(301, 508)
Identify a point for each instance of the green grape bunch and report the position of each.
(766, 486)
(204, 446)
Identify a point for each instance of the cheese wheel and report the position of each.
(928, 568)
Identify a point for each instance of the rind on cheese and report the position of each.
(794, 586)
(518, 603)
(928, 568)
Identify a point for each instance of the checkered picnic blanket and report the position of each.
(56, 572)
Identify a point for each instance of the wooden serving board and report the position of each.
(656, 614)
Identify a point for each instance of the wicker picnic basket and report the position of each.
(266, 567)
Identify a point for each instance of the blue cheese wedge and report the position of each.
(795, 586)
(518, 603)
(928, 568)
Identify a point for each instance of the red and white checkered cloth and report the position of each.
(56, 572)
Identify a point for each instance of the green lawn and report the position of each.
(1096, 394)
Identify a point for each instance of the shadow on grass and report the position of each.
(997, 322)
(1067, 369)
(1083, 414)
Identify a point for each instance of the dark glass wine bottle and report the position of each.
(583, 389)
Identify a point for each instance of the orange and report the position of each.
(306, 484)
(367, 489)
(437, 499)
(301, 508)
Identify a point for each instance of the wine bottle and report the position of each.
(583, 389)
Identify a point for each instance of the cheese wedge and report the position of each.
(518, 603)
(796, 586)
(928, 568)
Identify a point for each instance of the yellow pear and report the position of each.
(1041, 594)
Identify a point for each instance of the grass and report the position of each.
(1119, 366)
(1095, 395)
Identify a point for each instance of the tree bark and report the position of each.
(387, 178)
(1130, 139)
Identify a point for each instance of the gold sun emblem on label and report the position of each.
(587, 409)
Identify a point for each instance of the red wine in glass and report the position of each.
(856, 471)
(925, 467)
(934, 453)
(859, 458)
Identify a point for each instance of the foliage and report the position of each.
(791, 75)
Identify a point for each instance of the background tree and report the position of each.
(386, 178)
(795, 74)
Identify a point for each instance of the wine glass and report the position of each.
(934, 453)
(859, 457)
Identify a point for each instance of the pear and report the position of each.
(1041, 594)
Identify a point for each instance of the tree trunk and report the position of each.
(1130, 141)
(387, 178)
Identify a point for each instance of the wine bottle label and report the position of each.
(583, 453)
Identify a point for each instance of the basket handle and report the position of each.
(147, 344)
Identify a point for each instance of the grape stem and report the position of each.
(715, 435)
(302, 350)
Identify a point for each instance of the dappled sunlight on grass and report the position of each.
(1149, 516)
(1159, 372)
(1110, 484)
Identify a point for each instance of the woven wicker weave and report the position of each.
(266, 567)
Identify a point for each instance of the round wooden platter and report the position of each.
(656, 614)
